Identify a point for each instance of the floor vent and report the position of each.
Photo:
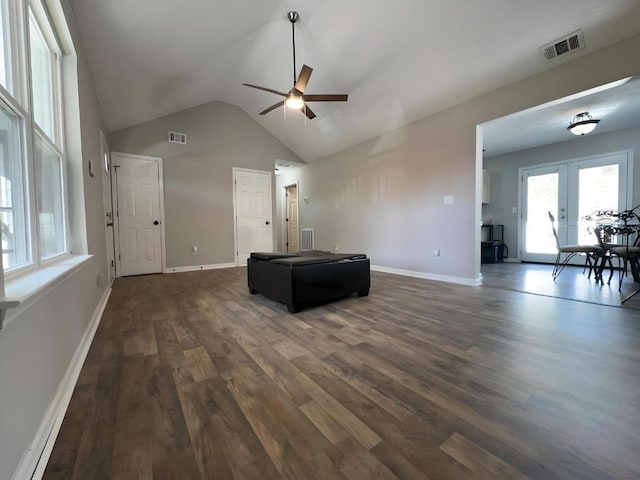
(306, 239)
(177, 137)
(563, 46)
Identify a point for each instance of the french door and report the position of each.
(570, 191)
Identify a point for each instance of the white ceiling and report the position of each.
(616, 105)
(398, 61)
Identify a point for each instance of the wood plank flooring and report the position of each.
(572, 283)
(191, 377)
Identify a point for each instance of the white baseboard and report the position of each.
(429, 276)
(512, 260)
(193, 268)
(35, 459)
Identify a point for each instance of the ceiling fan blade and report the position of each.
(325, 98)
(303, 78)
(308, 112)
(265, 89)
(272, 107)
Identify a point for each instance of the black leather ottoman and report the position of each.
(308, 278)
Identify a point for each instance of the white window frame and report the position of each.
(20, 102)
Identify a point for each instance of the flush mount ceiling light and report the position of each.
(582, 124)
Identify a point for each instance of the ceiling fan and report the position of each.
(296, 99)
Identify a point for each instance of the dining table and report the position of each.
(617, 231)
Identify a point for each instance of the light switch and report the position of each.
(448, 199)
(514, 209)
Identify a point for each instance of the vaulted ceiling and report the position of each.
(398, 61)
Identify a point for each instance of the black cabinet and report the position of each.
(492, 233)
(492, 248)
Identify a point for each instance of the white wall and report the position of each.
(385, 196)
(504, 173)
(37, 347)
(198, 186)
(36, 350)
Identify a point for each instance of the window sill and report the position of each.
(23, 290)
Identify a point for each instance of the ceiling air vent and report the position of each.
(177, 137)
(563, 46)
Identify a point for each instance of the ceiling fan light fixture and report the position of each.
(582, 124)
(294, 102)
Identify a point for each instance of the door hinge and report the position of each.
(286, 220)
(287, 244)
(112, 263)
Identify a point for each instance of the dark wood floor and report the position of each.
(191, 377)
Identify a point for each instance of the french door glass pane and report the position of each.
(50, 199)
(12, 199)
(42, 80)
(598, 187)
(542, 197)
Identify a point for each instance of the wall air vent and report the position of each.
(563, 46)
(177, 137)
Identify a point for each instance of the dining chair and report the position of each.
(592, 252)
(603, 235)
(628, 255)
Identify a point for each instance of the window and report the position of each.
(32, 159)
(5, 46)
(12, 199)
(43, 81)
(50, 194)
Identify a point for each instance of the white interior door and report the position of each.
(570, 191)
(253, 213)
(108, 210)
(293, 232)
(138, 214)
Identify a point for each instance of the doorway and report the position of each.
(253, 212)
(570, 190)
(108, 209)
(139, 208)
(292, 230)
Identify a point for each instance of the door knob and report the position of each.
(156, 222)
(267, 222)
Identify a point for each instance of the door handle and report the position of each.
(156, 222)
(110, 224)
(267, 222)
